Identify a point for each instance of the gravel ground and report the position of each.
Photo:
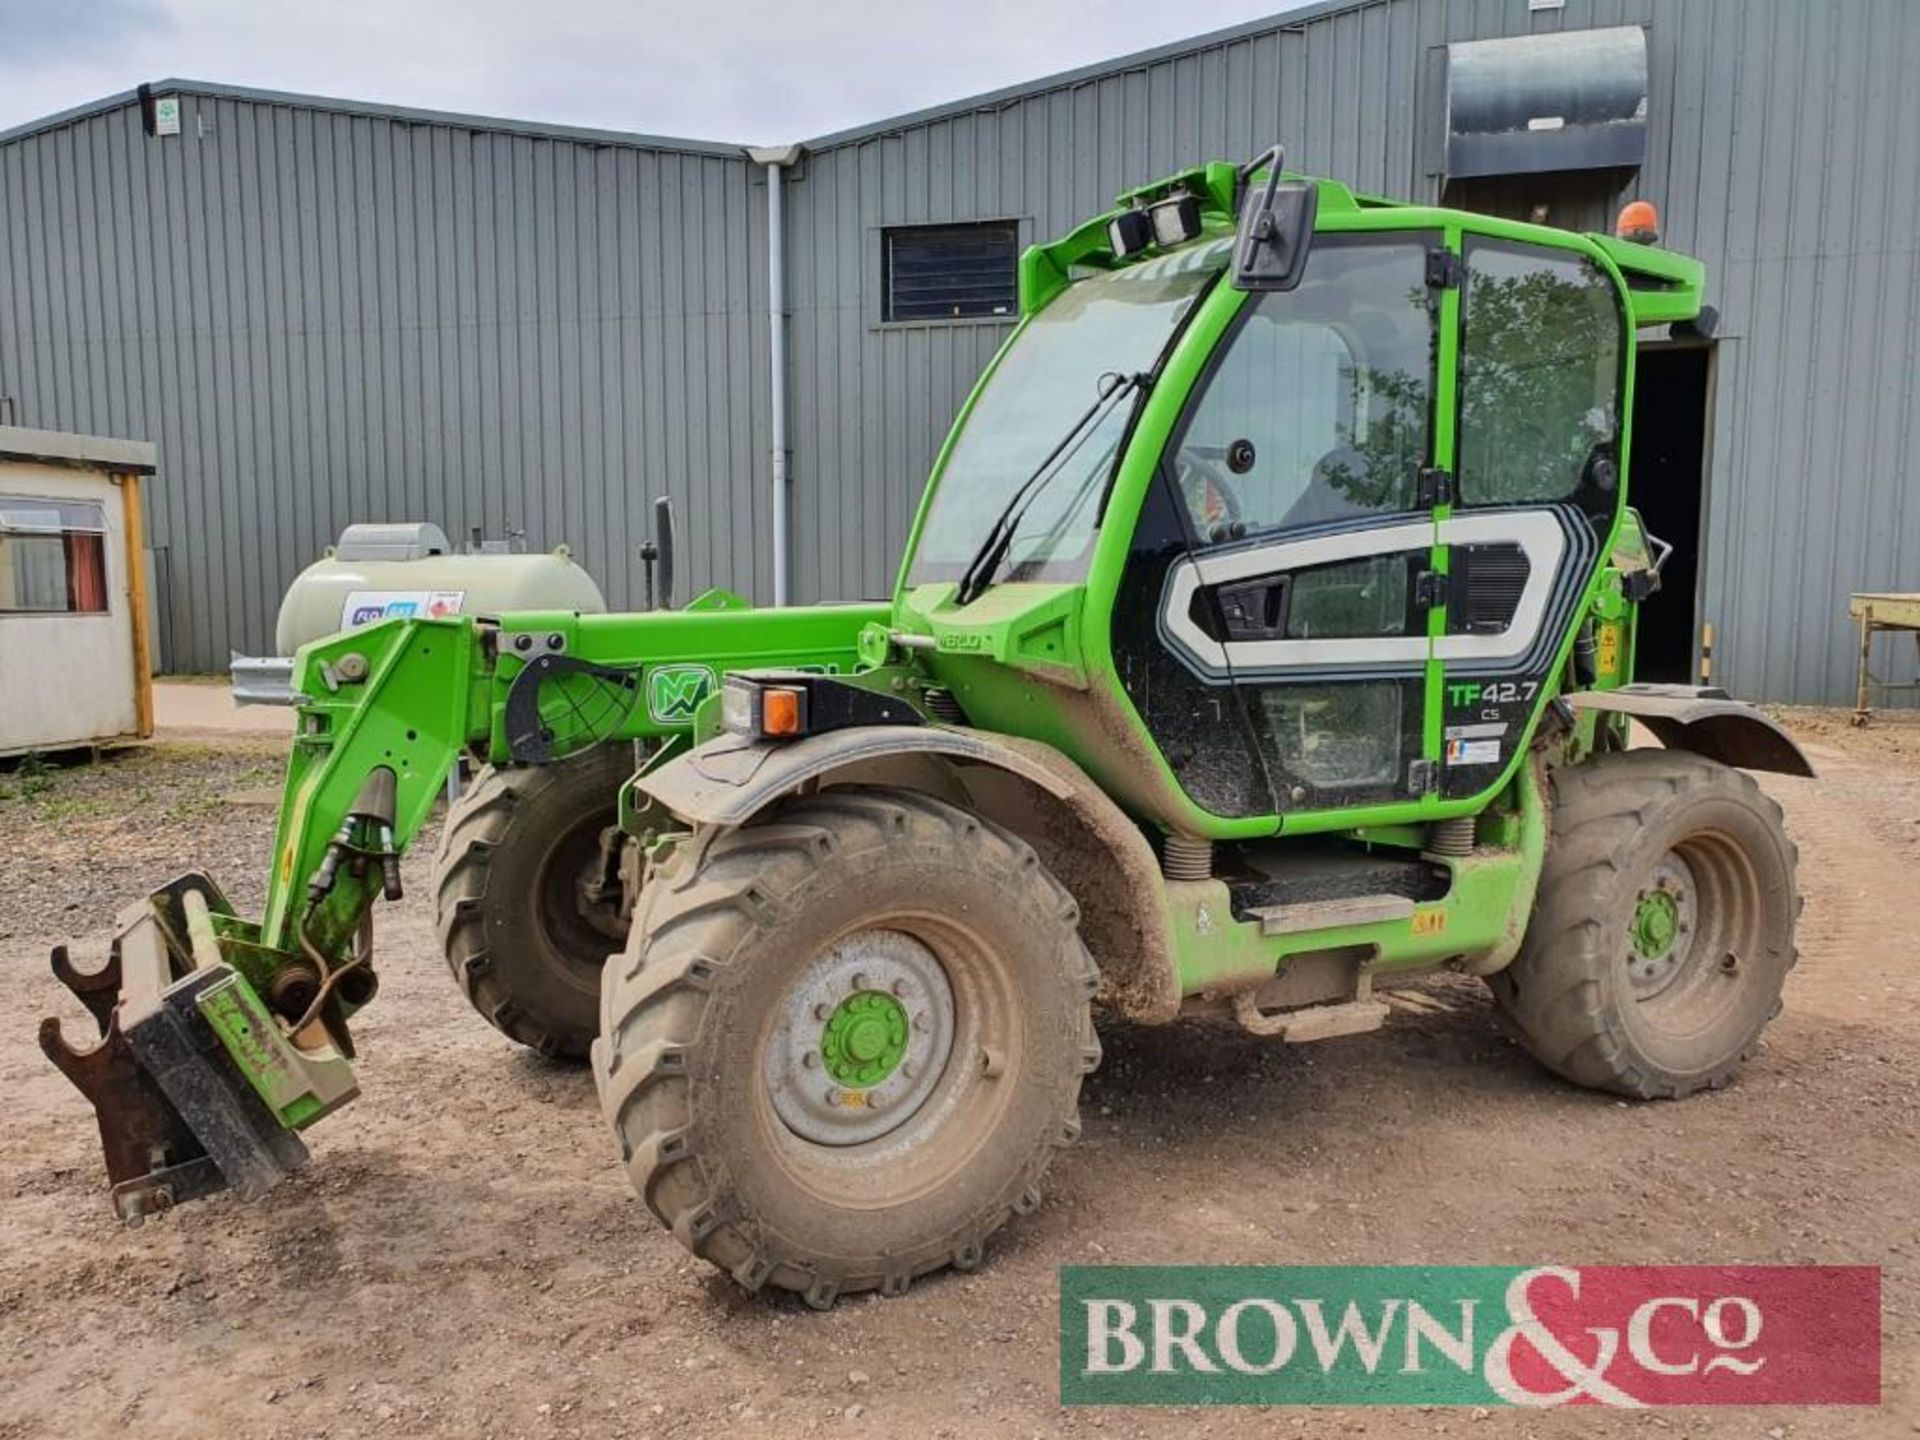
(464, 1257)
(80, 840)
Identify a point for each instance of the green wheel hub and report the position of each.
(864, 1039)
(1660, 934)
(1655, 924)
(861, 1038)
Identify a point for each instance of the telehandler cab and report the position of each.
(1265, 639)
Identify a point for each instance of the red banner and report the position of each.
(1692, 1335)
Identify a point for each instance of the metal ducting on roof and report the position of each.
(1569, 100)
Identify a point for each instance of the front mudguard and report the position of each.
(1091, 845)
(730, 779)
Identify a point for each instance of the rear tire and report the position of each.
(1663, 929)
(525, 947)
(728, 1090)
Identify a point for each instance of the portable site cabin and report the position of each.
(75, 667)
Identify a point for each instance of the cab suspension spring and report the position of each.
(1186, 857)
(943, 706)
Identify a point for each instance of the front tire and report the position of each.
(1663, 930)
(845, 1041)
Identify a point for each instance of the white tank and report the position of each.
(380, 571)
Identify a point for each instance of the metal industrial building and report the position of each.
(326, 311)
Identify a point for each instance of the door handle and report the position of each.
(1254, 609)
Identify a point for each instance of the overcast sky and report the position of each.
(738, 70)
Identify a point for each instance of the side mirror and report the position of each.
(1276, 227)
(661, 553)
(663, 528)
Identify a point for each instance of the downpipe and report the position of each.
(776, 160)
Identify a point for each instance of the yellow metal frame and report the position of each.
(135, 540)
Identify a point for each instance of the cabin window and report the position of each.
(53, 557)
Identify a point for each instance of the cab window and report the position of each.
(1318, 409)
(1541, 335)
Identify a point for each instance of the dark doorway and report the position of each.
(1672, 396)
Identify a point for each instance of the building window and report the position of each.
(950, 272)
(53, 557)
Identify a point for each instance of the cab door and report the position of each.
(1543, 345)
(1286, 561)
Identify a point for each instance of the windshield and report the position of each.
(1110, 324)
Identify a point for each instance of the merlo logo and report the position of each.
(674, 692)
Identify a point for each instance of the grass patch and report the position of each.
(31, 778)
(35, 775)
(194, 804)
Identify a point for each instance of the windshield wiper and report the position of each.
(993, 550)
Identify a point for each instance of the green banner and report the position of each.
(1281, 1335)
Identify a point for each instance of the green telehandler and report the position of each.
(1265, 639)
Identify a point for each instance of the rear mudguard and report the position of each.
(1705, 721)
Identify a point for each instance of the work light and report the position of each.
(1176, 220)
(1129, 233)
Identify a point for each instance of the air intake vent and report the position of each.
(1486, 582)
(951, 272)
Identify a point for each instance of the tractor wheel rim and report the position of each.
(860, 1039)
(1661, 933)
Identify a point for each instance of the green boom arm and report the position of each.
(410, 695)
(221, 1036)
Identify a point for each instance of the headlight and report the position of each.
(759, 710)
(736, 707)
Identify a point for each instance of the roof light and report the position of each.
(1129, 233)
(1176, 220)
(1638, 222)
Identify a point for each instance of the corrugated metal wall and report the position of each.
(1775, 150)
(324, 316)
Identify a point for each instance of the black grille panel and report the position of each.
(1484, 588)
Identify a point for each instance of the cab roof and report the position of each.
(1664, 286)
